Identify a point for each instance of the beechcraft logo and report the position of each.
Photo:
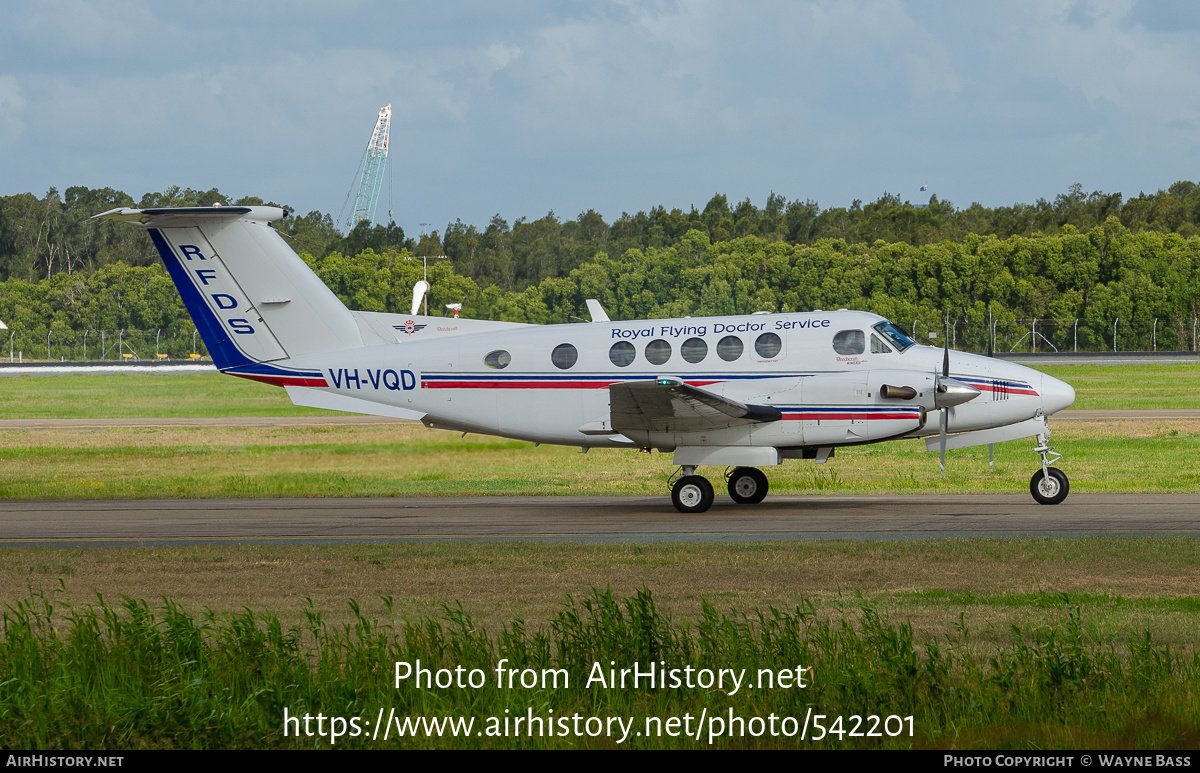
(409, 327)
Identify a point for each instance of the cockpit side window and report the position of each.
(850, 342)
(878, 347)
(893, 335)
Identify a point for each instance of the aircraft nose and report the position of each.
(1056, 395)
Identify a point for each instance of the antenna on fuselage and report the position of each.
(596, 311)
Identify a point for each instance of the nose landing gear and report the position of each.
(1049, 485)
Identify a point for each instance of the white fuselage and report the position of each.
(510, 382)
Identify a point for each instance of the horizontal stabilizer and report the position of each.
(331, 401)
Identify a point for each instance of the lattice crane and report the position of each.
(374, 163)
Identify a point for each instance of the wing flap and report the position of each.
(670, 405)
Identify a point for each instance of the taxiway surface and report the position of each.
(601, 519)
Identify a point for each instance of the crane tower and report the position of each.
(374, 163)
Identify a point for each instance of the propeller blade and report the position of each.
(946, 352)
(942, 440)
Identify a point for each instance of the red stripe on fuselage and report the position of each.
(284, 380)
(439, 384)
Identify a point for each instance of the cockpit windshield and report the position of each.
(893, 334)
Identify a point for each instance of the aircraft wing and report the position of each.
(670, 405)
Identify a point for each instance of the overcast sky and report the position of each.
(519, 107)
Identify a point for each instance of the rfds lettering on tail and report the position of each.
(739, 392)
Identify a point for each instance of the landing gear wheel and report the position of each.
(747, 485)
(1049, 489)
(692, 494)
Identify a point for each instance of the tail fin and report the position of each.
(253, 300)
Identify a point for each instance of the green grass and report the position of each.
(410, 460)
(139, 395)
(142, 395)
(133, 675)
(1130, 387)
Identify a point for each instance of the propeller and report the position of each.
(940, 390)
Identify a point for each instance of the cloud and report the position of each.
(11, 104)
(533, 104)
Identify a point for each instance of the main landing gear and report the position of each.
(1049, 485)
(692, 493)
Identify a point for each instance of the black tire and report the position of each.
(692, 494)
(748, 486)
(1049, 490)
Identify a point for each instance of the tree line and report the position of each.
(40, 237)
(981, 282)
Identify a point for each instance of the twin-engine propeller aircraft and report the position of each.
(742, 392)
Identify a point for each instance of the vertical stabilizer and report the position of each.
(252, 298)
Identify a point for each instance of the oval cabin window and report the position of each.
(498, 359)
(694, 349)
(729, 348)
(658, 352)
(768, 346)
(564, 356)
(621, 354)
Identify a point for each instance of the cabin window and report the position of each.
(878, 347)
(768, 346)
(729, 348)
(658, 351)
(564, 356)
(498, 359)
(622, 353)
(850, 342)
(694, 349)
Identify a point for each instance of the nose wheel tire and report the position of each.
(1049, 489)
(692, 494)
(747, 486)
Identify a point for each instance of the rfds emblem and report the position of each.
(409, 327)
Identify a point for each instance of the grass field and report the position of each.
(1019, 643)
(1125, 584)
(410, 460)
(142, 395)
(1000, 643)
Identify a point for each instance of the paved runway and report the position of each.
(588, 519)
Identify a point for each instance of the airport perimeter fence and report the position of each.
(1041, 335)
(1044, 335)
(120, 345)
